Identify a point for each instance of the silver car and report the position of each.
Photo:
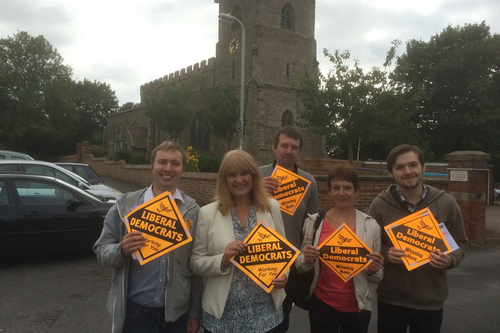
(14, 155)
(52, 170)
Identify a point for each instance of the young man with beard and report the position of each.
(414, 299)
(161, 296)
(287, 144)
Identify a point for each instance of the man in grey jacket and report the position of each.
(287, 144)
(162, 295)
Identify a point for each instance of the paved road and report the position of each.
(120, 185)
(54, 294)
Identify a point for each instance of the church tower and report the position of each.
(280, 47)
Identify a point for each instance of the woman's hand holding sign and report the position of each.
(281, 282)
(232, 249)
(376, 264)
(311, 253)
(132, 242)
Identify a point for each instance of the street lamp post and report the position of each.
(228, 18)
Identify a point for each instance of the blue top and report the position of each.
(249, 308)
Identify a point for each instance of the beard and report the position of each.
(407, 186)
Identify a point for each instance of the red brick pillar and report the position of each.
(468, 183)
(81, 151)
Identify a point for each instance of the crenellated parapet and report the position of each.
(180, 75)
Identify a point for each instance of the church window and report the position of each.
(287, 17)
(235, 26)
(199, 132)
(287, 118)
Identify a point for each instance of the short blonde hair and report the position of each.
(166, 146)
(242, 162)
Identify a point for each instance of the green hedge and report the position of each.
(139, 159)
(123, 154)
(209, 163)
(98, 151)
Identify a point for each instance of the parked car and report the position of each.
(52, 170)
(496, 194)
(40, 213)
(84, 171)
(13, 155)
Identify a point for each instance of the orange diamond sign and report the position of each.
(345, 253)
(162, 224)
(418, 235)
(291, 190)
(266, 257)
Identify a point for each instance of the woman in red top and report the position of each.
(335, 305)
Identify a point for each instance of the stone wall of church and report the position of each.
(275, 60)
(266, 105)
(118, 123)
(202, 71)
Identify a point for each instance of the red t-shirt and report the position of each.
(330, 288)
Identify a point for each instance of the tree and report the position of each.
(223, 113)
(129, 106)
(453, 84)
(342, 104)
(94, 102)
(37, 111)
(392, 127)
(170, 110)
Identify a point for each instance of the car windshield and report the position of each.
(85, 193)
(98, 197)
(83, 171)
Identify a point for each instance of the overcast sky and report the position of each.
(127, 43)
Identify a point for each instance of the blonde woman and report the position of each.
(232, 302)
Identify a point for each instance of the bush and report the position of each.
(209, 163)
(97, 151)
(138, 159)
(123, 154)
(192, 160)
(111, 156)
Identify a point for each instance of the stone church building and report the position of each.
(280, 47)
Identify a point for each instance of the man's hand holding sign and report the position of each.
(288, 188)
(418, 240)
(133, 241)
(155, 228)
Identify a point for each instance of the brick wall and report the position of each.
(370, 187)
(321, 166)
(201, 186)
(471, 192)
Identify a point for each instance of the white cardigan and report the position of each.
(364, 286)
(213, 232)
